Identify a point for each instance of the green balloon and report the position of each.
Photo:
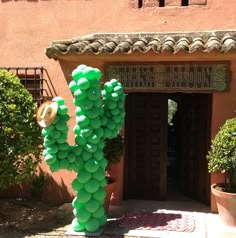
(86, 104)
(76, 129)
(62, 154)
(99, 132)
(55, 134)
(71, 157)
(92, 186)
(82, 121)
(115, 111)
(111, 125)
(50, 159)
(82, 67)
(94, 83)
(99, 213)
(44, 132)
(60, 101)
(94, 139)
(116, 119)
(103, 163)
(56, 119)
(79, 111)
(104, 120)
(79, 163)
(92, 205)
(98, 154)
(77, 150)
(103, 183)
(45, 152)
(115, 96)
(107, 133)
(55, 166)
(83, 83)
(118, 89)
(50, 144)
(77, 74)
(61, 125)
(95, 123)
(79, 95)
(76, 204)
(98, 73)
(103, 220)
(93, 94)
(93, 112)
(92, 225)
(91, 148)
(80, 140)
(89, 73)
(48, 141)
(49, 128)
(86, 132)
(86, 155)
(73, 86)
(99, 195)
(77, 185)
(97, 103)
(63, 146)
(64, 164)
(62, 139)
(65, 118)
(101, 145)
(111, 104)
(99, 174)
(83, 196)
(91, 165)
(62, 110)
(114, 82)
(78, 226)
(108, 87)
(84, 176)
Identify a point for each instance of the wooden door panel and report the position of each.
(195, 131)
(145, 133)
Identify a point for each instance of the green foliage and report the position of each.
(172, 108)
(37, 184)
(222, 155)
(19, 132)
(113, 149)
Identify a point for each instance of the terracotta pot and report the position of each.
(226, 204)
(109, 189)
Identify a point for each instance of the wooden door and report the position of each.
(146, 146)
(195, 110)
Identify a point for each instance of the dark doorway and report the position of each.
(161, 158)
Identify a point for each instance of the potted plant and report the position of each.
(222, 159)
(113, 151)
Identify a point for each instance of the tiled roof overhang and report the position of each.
(112, 43)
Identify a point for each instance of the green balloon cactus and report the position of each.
(99, 115)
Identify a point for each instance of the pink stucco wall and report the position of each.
(28, 27)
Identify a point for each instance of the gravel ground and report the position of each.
(27, 218)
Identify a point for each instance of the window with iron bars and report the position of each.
(36, 80)
(165, 3)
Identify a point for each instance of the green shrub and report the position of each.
(222, 155)
(19, 132)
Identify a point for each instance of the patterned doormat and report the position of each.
(158, 221)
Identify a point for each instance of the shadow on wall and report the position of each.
(46, 190)
(55, 193)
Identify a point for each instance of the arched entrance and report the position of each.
(160, 159)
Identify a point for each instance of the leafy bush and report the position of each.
(222, 155)
(113, 149)
(19, 132)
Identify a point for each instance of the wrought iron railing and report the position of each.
(36, 80)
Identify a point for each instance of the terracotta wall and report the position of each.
(28, 27)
